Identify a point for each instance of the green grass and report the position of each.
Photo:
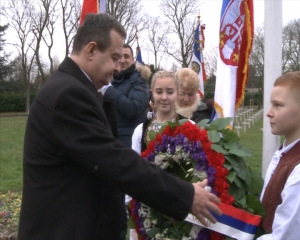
(12, 131)
(253, 140)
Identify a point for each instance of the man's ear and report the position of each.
(90, 49)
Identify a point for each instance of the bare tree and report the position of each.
(210, 61)
(256, 61)
(128, 12)
(55, 62)
(70, 12)
(178, 14)
(291, 46)
(19, 13)
(41, 22)
(156, 36)
(49, 37)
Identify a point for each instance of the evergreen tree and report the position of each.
(4, 63)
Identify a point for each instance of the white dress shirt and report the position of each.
(286, 224)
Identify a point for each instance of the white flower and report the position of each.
(164, 165)
(194, 231)
(178, 148)
(177, 157)
(159, 159)
(159, 236)
(147, 223)
(200, 174)
(144, 210)
(185, 238)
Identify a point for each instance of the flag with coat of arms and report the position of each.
(92, 6)
(236, 37)
(197, 60)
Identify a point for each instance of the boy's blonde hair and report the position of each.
(290, 80)
(188, 79)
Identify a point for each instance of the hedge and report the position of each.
(258, 100)
(15, 102)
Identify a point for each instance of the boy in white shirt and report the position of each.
(280, 195)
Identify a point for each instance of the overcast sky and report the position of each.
(210, 15)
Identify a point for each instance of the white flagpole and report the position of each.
(272, 70)
(102, 6)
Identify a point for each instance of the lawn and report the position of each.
(253, 140)
(12, 131)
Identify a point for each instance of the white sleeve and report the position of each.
(136, 146)
(286, 222)
(137, 138)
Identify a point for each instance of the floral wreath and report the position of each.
(193, 153)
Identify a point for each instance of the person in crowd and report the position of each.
(129, 91)
(189, 103)
(164, 88)
(280, 195)
(151, 106)
(75, 168)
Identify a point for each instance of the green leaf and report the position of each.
(256, 183)
(214, 136)
(182, 121)
(234, 161)
(238, 182)
(236, 192)
(152, 232)
(231, 176)
(152, 135)
(203, 123)
(238, 150)
(195, 179)
(130, 223)
(218, 148)
(254, 203)
(228, 145)
(246, 176)
(227, 165)
(220, 123)
(229, 135)
(241, 202)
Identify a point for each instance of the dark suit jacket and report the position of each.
(74, 168)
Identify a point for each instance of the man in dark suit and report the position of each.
(75, 168)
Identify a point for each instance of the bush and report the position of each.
(14, 102)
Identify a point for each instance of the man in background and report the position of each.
(130, 93)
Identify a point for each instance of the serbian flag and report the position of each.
(234, 222)
(138, 59)
(197, 61)
(92, 6)
(236, 36)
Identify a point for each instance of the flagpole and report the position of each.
(272, 70)
(102, 6)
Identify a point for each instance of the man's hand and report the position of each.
(204, 202)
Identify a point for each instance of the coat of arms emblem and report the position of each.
(231, 30)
